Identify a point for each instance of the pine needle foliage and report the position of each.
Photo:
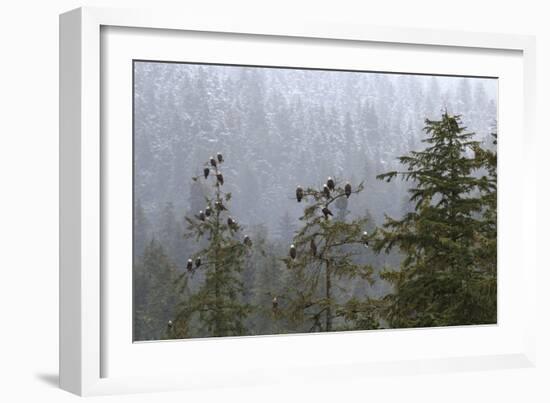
(448, 274)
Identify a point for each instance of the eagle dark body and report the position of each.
(330, 183)
(198, 262)
(189, 265)
(292, 251)
(206, 172)
(326, 191)
(219, 176)
(313, 247)
(202, 216)
(347, 190)
(208, 211)
(299, 194)
(326, 212)
(220, 157)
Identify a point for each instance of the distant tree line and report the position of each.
(282, 127)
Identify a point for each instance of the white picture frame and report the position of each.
(83, 344)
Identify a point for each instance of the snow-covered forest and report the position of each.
(278, 129)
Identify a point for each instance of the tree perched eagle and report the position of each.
(206, 172)
(326, 191)
(220, 206)
(213, 162)
(347, 190)
(219, 177)
(189, 264)
(299, 193)
(326, 212)
(202, 216)
(170, 324)
(292, 251)
(274, 303)
(198, 262)
(330, 183)
(231, 222)
(208, 211)
(313, 247)
(220, 157)
(247, 241)
(365, 239)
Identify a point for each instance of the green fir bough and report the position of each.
(448, 240)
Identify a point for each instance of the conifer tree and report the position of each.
(269, 271)
(486, 246)
(216, 309)
(154, 292)
(320, 255)
(448, 274)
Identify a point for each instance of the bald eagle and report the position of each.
(170, 324)
(202, 216)
(247, 241)
(213, 162)
(330, 183)
(326, 212)
(219, 206)
(326, 191)
(275, 303)
(347, 190)
(220, 157)
(189, 264)
(208, 211)
(231, 222)
(366, 239)
(198, 262)
(313, 247)
(219, 176)
(292, 251)
(299, 193)
(206, 172)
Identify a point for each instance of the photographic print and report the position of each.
(278, 200)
